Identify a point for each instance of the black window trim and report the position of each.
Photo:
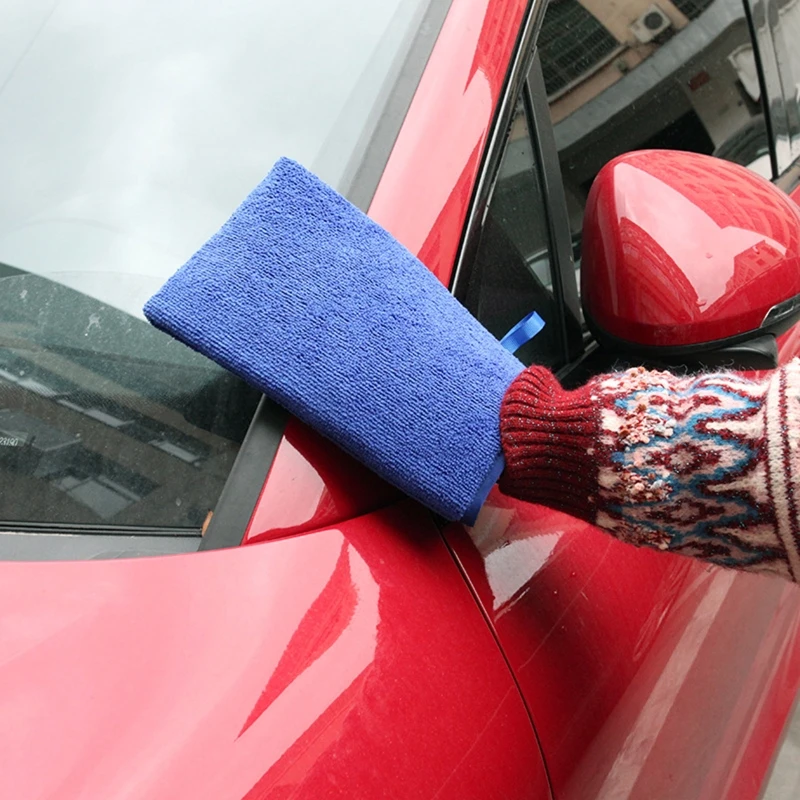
(787, 180)
(555, 201)
(245, 481)
(495, 147)
(762, 86)
(524, 68)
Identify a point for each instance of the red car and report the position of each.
(332, 638)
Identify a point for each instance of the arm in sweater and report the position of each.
(706, 466)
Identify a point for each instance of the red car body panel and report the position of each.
(642, 278)
(313, 484)
(330, 665)
(588, 635)
(427, 185)
(353, 660)
(646, 675)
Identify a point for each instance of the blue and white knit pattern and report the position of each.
(706, 466)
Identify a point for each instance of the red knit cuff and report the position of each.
(548, 436)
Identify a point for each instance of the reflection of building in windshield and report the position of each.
(103, 419)
(636, 74)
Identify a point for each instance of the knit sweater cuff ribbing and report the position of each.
(548, 436)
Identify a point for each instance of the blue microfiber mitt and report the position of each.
(306, 298)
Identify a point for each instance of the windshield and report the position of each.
(129, 131)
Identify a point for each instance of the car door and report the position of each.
(647, 675)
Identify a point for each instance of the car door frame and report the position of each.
(526, 82)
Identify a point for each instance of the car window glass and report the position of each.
(777, 26)
(512, 272)
(634, 74)
(130, 131)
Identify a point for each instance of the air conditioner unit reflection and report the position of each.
(650, 24)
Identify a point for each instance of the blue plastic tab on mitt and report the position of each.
(306, 298)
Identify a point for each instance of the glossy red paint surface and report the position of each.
(427, 186)
(313, 484)
(351, 662)
(681, 249)
(589, 625)
(647, 676)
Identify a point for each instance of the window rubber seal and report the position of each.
(762, 85)
(493, 153)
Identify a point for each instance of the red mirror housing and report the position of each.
(685, 253)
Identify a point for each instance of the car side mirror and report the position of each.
(689, 260)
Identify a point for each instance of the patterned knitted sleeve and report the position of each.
(706, 466)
